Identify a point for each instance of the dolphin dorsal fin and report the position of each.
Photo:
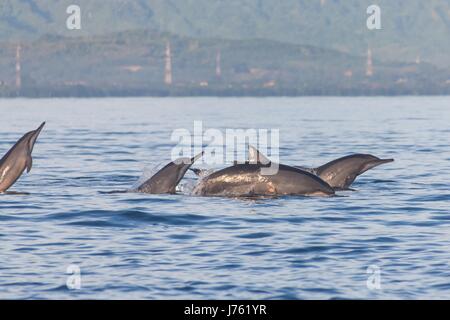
(255, 156)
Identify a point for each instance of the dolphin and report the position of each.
(342, 172)
(167, 179)
(17, 159)
(254, 156)
(247, 180)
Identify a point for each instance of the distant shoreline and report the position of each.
(88, 92)
(225, 96)
(137, 64)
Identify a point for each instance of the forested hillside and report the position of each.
(410, 29)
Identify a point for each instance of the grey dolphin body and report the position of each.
(254, 156)
(167, 179)
(342, 172)
(243, 180)
(17, 159)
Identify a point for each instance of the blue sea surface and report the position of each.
(139, 246)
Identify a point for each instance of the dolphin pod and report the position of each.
(17, 159)
(239, 180)
(247, 179)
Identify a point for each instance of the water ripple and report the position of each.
(138, 246)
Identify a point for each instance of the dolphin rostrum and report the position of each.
(17, 159)
(246, 180)
(167, 179)
(342, 172)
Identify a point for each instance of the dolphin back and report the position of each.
(243, 180)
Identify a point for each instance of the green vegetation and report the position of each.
(409, 28)
(288, 47)
(132, 63)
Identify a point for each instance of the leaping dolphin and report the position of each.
(342, 172)
(17, 159)
(167, 179)
(247, 180)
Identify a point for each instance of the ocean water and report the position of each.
(389, 239)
